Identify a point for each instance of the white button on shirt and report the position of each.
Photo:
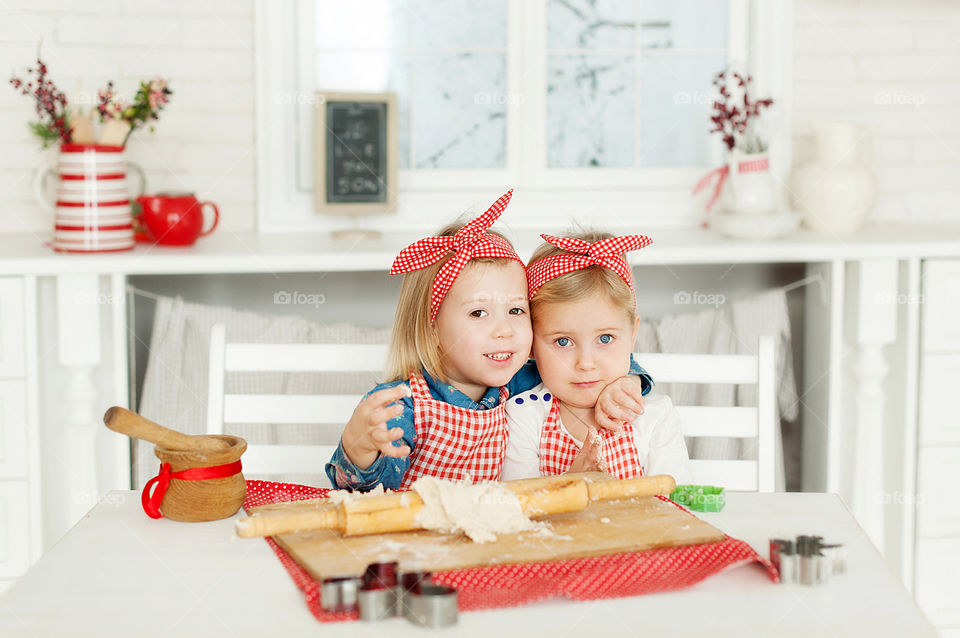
(657, 435)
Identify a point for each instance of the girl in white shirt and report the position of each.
(582, 305)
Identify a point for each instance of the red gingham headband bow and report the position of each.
(470, 241)
(582, 254)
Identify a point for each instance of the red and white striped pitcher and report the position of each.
(93, 199)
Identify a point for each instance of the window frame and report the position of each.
(760, 40)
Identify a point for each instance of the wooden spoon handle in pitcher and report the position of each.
(132, 424)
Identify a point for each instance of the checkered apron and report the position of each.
(456, 443)
(558, 448)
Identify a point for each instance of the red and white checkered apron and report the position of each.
(455, 443)
(558, 448)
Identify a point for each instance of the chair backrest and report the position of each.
(733, 421)
(284, 408)
(738, 422)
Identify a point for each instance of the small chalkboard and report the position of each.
(356, 153)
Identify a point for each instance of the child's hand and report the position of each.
(589, 459)
(366, 434)
(619, 403)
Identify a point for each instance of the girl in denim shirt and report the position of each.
(459, 347)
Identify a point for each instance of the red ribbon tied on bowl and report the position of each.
(152, 498)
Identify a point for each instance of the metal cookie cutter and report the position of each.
(410, 581)
(807, 560)
(412, 595)
(425, 603)
(340, 594)
(431, 605)
(377, 598)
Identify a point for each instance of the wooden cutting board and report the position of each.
(605, 527)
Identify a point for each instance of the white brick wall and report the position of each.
(204, 140)
(895, 65)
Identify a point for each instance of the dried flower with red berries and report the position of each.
(51, 105)
(733, 114)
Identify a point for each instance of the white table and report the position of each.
(73, 353)
(119, 573)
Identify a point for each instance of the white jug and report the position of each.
(836, 191)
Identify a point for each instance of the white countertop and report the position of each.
(226, 252)
(119, 573)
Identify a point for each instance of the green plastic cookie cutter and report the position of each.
(701, 498)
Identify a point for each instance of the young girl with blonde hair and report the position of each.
(582, 306)
(461, 338)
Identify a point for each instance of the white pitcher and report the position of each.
(836, 191)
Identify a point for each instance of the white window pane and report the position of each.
(370, 72)
(365, 24)
(458, 24)
(459, 114)
(676, 98)
(683, 24)
(590, 111)
(591, 24)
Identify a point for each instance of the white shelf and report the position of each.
(227, 252)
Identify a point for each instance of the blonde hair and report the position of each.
(578, 284)
(413, 343)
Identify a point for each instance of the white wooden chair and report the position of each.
(740, 422)
(736, 422)
(284, 409)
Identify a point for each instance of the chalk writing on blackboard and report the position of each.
(356, 149)
(356, 152)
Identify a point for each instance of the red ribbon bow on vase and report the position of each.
(750, 166)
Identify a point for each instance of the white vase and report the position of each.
(750, 189)
(837, 190)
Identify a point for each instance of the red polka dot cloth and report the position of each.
(470, 241)
(456, 443)
(582, 254)
(611, 576)
(558, 448)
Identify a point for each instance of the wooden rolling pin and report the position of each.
(132, 424)
(399, 512)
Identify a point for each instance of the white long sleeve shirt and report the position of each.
(657, 435)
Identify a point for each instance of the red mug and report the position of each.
(174, 219)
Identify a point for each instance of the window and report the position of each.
(446, 61)
(537, 94)
(620, 78)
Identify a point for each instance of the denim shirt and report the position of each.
(390, 470)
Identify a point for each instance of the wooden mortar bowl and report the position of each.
(207, 500)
